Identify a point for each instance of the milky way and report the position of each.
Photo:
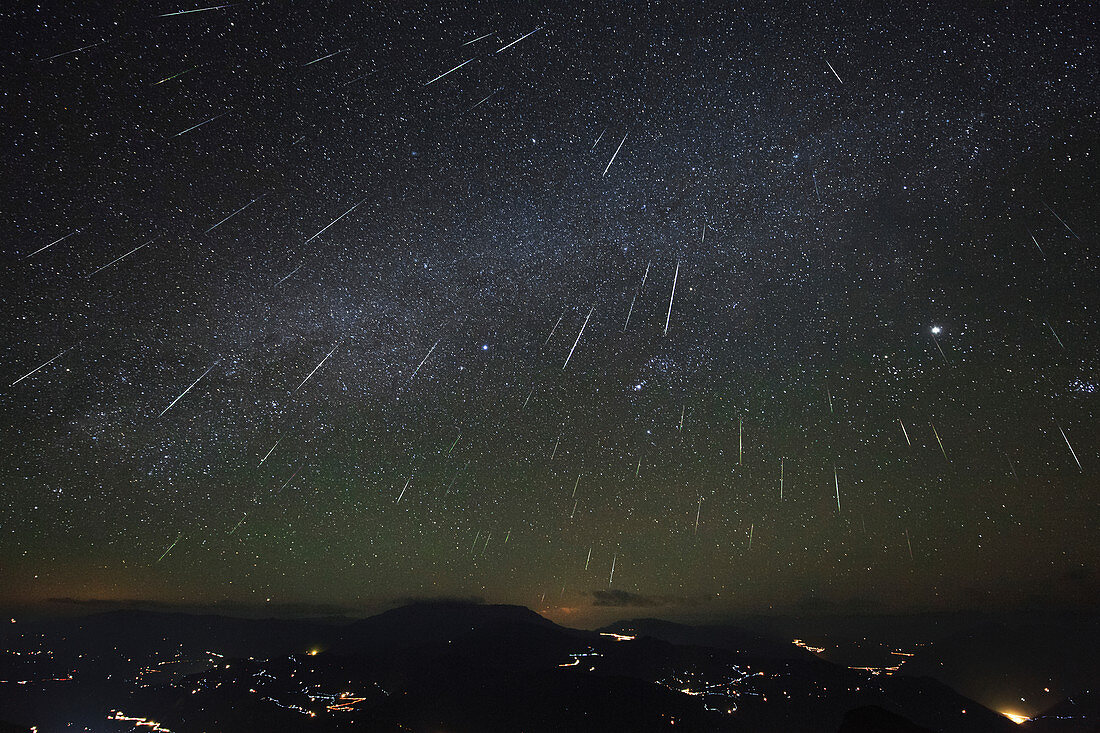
(343, 305)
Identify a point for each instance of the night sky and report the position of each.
(600, 310)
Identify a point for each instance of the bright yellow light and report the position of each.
(1015, 717)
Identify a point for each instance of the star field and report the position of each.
(764, 306)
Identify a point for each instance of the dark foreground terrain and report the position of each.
(457, 667)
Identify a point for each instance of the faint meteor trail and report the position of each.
(698, 511)
(908, 543)
(324, 228)
(781, 461)
(483, 100)
(328, 56)
(41, 366)
(579, 334)
(940, 442)
(75, 50)
(173, 76)
(232, 215)
(740, 440)
(1072, 452)
(1055, 333)
(467, 43)
(834, 72)
(672, 297)
(42, 249)
(905, 433)
(612, 578)
(425, 358)
(589, 558)
(1060, 219)
(119, 259)
(505, 48)
(934, 332)
(195, 127)
(837, 482)
(614, 155)
(598, 140)
(334, 348)
(1033, 239)
(751, 528)
(173, 402)
(449, 71)
(289, 274)
(403, 490)
(555, 328)
(169, 548)
(631, 310)
(195, 10)
(641, 288)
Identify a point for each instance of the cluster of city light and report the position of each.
(577, 658)
(803, 645)
(138, 722)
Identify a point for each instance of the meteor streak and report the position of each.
(169, 548)
(119, 259)
(334, 53)
(467, 43)
(268, 455)
(505, 48)
(195, 10)
(317, 367)
(232, 215)
(1072, 452)
(937, 434)
(555, 328)
(672, 297)
(40, 366)
(614, 155)
(173, 402)
(563, 366)
(425, 358)
(834, 72)
(1061, 220)
(75, 50)
(40, 249)
(353, 208)
(448, 72)
(836, 481)
(195, 127)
